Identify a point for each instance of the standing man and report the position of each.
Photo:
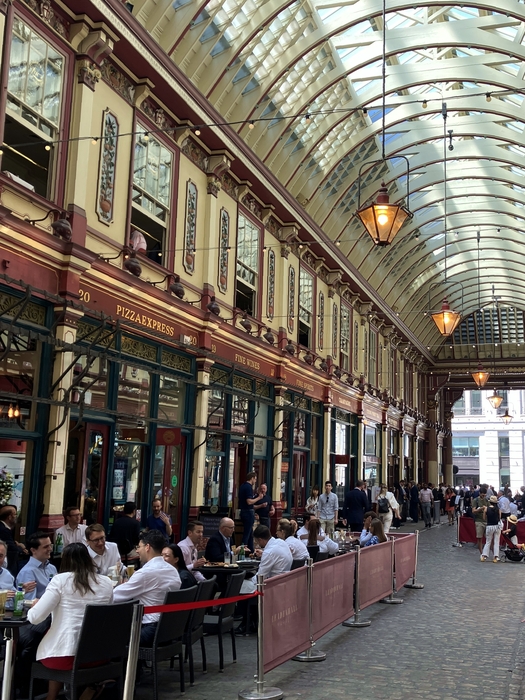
(479, 510)
(264, 508)
(247, 500)
(356, 503)
(328, 506)
(426, 498)
(127, 527)
(189, 548)
(503, 504)
(72, 531)
(414, 502)
(159, 520)
(104, 554)
(7, 525)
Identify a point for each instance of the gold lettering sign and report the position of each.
(143, 320)
(304, 385)
(243, 360)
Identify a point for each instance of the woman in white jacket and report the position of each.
(65, 598)
(387, 506)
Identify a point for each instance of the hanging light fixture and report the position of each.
(382, 219)
(446, 319)
(495, 400)
(480, 376)
(506, 417)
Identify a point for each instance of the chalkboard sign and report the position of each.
(212, 520)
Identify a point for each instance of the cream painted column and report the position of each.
(384, 454)
(210, 237)
(91, 48)
(201, 418)
(62, 376)
(327, 434)
(277, 449)
(447, 458)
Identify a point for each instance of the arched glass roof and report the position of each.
(309, 75)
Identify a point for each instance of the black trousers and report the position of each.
(29, 638)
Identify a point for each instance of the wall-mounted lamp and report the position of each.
(131, 264)
(174, 285)
(289, 347)
(61, 226)
(506, 417)
(269, 336)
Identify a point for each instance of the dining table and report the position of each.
(11, 626)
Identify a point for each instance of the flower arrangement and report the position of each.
(7, 485)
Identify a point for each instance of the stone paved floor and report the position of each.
(459, 638)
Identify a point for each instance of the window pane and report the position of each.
(247, 244)
(306, 292)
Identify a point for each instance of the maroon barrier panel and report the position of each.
(332, 593)
(467, 530)
(404, 559)
(286, 623)
(375, 573)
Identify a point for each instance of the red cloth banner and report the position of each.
(375, 573)
(332, 593)
(404, 559)
(286, 624)
(467, 530)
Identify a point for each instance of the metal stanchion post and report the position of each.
(414, 583)
(310, 654)
(356, 621)
(7, 680)
(260, 693)
(391, 600)
(133, 653)
(457, 543)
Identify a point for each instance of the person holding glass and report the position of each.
(313, 502)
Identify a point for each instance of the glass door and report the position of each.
(94, 469)
(167, 482)
(299, 483)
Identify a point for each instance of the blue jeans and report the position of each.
(248, 519)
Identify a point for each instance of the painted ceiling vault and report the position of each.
(309, 75)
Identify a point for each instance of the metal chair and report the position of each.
(297, 564)
(168, 641)
(320, 556)
(104, 638)
(223, 622)
(195, 627)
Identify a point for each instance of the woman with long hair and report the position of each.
(65, 599)
(172, 553)
(324, 543)
(378, 534)
(450, 504)
(387, 507)
(312, 502)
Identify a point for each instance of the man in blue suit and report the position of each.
(356, 503)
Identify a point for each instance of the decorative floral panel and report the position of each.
(271, 285)
(291, 299)
(320, 338)
(224, 247)
(107, 165)
(356, 346)
(335, 332)
(117, 80)
(190, 229)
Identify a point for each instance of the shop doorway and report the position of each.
(238, 468)
(167, 478)
(86, 470)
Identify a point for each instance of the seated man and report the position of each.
(126, 528)
(189, 548)
(150, 583)
(275, 554)
(34, 577)
(297, 547)
(37, 572)
(72, 531)
(104, 554)
(221, 542)
(7, 580)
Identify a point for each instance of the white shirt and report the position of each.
(69, 535)
(297, 548)
(276, 558)
(104, 562)
(328, 545)
(149, 585)
(190, 554)
(66, 606)
(304, 531)
(513, 509)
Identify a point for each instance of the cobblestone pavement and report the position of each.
(458, 639)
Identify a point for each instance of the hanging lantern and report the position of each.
(495, 400)
(446, 320)
(383, 220)
(506, 417)
(480, 376)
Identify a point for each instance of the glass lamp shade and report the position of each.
(480, 376)
(506, 418)
(446, 320)
(495, 400)
(383, 220)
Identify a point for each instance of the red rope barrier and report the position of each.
(214, 602)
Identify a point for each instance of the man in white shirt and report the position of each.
(276, 557)
(302, 532)
(72, 531)
(104, 554)
(150, 583)
(189, 548)
(297, 547)
(328, 508)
